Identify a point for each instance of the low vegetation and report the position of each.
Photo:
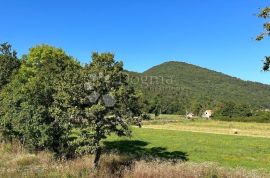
(227, 150)
(17, 162)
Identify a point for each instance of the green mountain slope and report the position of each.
(177, 87)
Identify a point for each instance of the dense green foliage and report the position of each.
(177, 88)
(53, 103)
(230, 109)
(9, 63)
(26, 101)
(95, 103)
(256, 116)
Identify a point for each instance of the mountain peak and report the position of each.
(194, 83)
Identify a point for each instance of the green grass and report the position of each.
(167, 117)
(229, 151)
(211, 126)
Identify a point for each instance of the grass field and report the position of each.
(164, 147)
(186, 140)
(17, 162)
(209, 126)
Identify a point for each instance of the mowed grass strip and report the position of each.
(228, 151)
(212, 126)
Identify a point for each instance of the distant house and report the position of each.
(189, 115)
(207, 114)
(263, 110)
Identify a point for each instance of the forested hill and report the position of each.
(177, 87)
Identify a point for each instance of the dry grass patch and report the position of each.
(116, 167)
(211, 126)
(190, 170)
(20, 163)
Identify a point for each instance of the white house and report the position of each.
(207, 114)
(189, 115)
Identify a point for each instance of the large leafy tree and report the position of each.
(231, 110)
(95, 103)
(27, 100)
(9, 63)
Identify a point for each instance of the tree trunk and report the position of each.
(97, 157)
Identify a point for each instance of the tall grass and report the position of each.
(17, 162)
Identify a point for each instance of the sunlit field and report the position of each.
(167, 145)
(230, 144)
(180, 123)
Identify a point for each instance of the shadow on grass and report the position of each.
(138, 150)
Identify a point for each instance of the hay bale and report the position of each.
(235, 131)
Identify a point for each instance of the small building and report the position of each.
(189, 115)
(207, 114)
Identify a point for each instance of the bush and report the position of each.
(260, 117)
(26, 101)
(230, 111)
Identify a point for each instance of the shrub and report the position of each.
(25, 102)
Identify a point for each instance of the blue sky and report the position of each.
(216, 34)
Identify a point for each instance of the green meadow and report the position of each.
(226, 150)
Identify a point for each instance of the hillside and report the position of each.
(178, 86)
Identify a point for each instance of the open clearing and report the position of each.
(201, 141)
(231, 151)
(209, 126)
